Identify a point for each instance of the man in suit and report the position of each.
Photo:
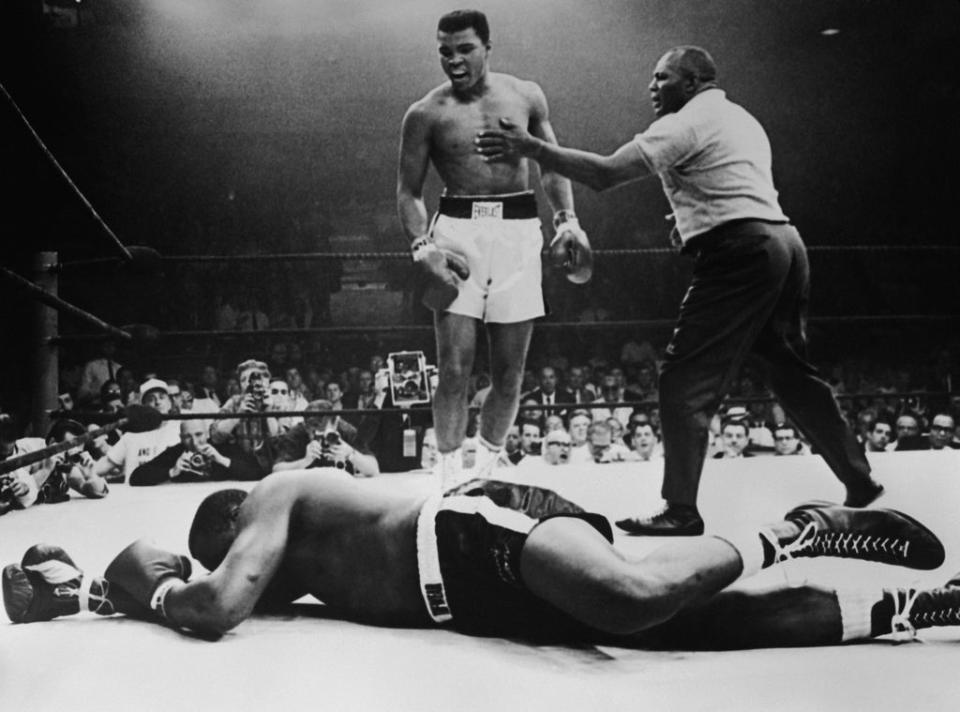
(549, 392)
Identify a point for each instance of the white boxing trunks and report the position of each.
(500, 238)
(468, 549)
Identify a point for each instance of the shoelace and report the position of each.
(902, 628)
(843, 544)
(786, 554)
(905, 622)
(803, 542)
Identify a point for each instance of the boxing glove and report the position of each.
(146, 573)
(47, 584)
(570, 248)
(443, 271)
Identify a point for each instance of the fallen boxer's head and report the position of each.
(215, 526)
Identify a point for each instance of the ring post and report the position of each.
(47, 369)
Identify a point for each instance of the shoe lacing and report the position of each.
(938, 611)
(847, 545)
(785, 554)
(804, 541)
(901, 626)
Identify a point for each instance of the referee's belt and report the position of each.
(514, 206)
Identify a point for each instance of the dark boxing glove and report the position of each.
(444, 271)
(146, 573)
(570, 248)
(47, 584)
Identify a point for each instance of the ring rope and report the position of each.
(428, 328)
(121, 248)
(15, 463)
(83, 416)
(405, 255)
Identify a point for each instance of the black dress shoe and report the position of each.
(863, 497)
(674, 520)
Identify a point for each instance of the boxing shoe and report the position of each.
(863, 496)
(925, 609)
(673, 520)
(885, 536)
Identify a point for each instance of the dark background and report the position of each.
(234, 126)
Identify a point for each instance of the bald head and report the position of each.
(693, 63)
(682, 73)
(194, 433)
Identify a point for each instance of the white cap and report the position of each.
(153, 384)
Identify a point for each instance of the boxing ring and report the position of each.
(306, 660)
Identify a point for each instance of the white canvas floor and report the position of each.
(306, 661)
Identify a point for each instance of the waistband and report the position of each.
(734, 228)
(513, 206)
(428, 562)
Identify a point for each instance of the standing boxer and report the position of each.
(750, 283)
(481, 253)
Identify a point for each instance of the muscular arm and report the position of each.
(216, 603)
(556, 187)
(592, 169)
(412, 172)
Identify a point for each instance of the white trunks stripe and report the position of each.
(428, 561)
(428, 557)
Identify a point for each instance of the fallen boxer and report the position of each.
(492, 558)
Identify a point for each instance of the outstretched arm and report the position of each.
(216, 603)
(592, 169)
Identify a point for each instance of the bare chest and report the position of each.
(456, 124)
(361, 575)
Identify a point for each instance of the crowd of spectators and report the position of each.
(279, 412)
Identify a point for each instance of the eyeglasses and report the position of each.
(560, 444)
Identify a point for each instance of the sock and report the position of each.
(883, 611)
(858, 617)
(489, 445)
(769, 552)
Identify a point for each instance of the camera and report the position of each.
(7, 498)
(259, 396)
(409, 377)
(327, 439)
(196, 461)
(56, 488)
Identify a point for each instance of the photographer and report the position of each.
(196, 460)
(324, 440)
(49, 480)
(135, 448)
(253, 435)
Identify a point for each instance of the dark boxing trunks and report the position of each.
(470, 559)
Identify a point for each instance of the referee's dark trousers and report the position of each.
(748, 295)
